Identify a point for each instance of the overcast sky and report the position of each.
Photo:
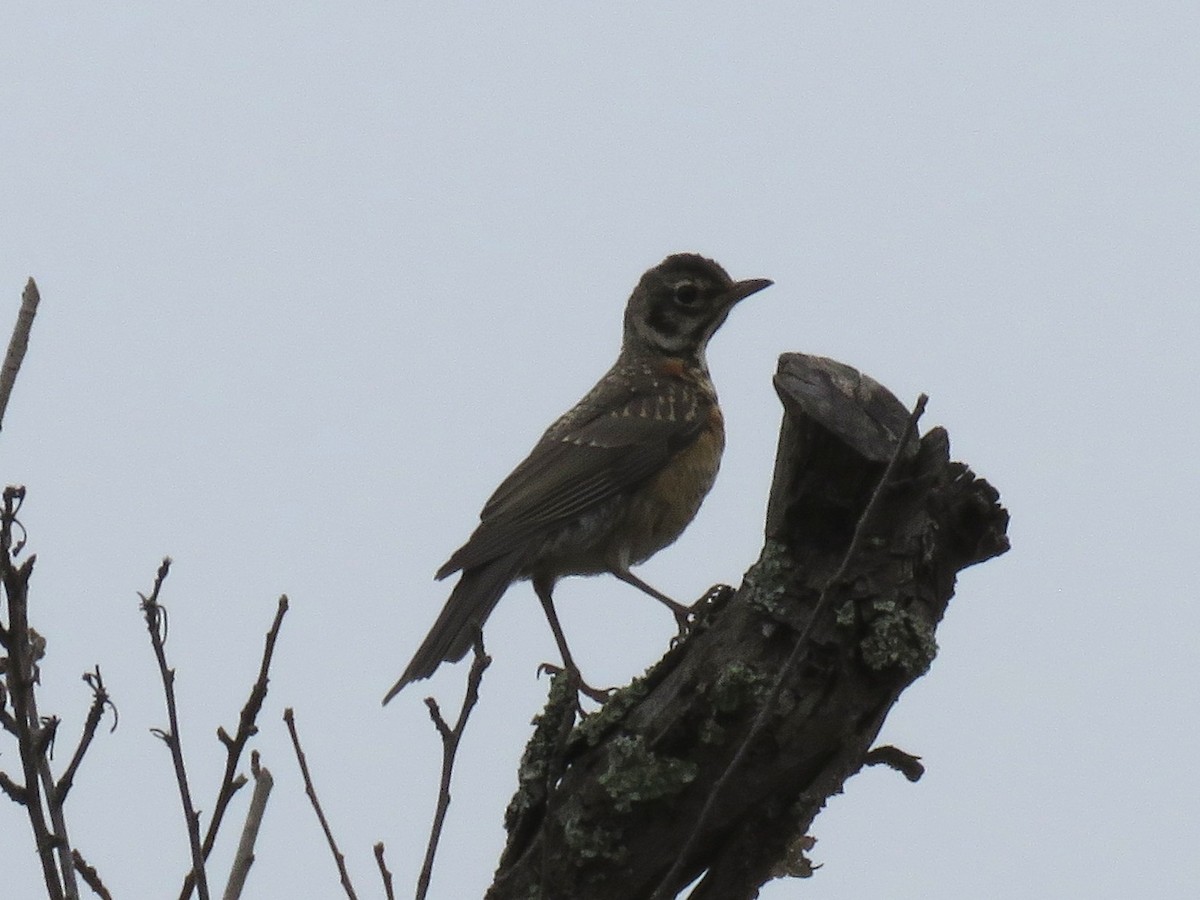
(315, 278)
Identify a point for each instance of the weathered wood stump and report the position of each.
(716, 762)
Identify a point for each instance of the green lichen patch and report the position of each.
(897, 637)
(846, 615)
(596, 725)
(542, 750)
(637, 775)
(768, 579)
(737, 685)
(590, 841)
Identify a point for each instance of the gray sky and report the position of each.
(315, 279)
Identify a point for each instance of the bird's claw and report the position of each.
(600, 696)
(685, 618)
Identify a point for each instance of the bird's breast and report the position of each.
(659, 512)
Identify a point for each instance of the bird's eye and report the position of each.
(686, 293)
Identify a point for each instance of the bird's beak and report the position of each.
(743, 289)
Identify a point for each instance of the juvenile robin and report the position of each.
(615, 479)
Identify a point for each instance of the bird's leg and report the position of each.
(579, 685)
(683, 614)
(543, 589)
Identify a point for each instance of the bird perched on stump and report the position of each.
(615, 479)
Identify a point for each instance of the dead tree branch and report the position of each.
(231, 782)
(43, 797)
(100, 702)
(711, 768)
(156, 624)
(290, 718)
(384, 873)
(244, 858)
(769, 706)
(22, 650)
(18, 344)
(90, 876)
(450, 741)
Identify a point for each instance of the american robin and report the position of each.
(615, 479)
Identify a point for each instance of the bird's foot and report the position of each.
(600, 696)
(689, 617)
(683, 621)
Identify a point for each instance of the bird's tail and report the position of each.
(471, 602)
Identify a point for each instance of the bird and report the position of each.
(615, 479)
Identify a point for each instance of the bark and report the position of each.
(715, 763)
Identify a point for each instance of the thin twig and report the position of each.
(450, 740)
(54, 806)
(289, 717)
(20, 681)
(247, 728)
(6, 720)
(244, 858)
(90, 876)
(100, 701)
(386, 875)
(769, 702)
(893, 757)
(15, 792)
(18, 343)
(156, 624)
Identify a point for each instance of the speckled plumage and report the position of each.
(613, 480)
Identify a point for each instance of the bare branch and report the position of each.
(665, 890)
(90, 876)
(54, 803)
(234, 746)
(7, 722)
(15, 792)
(18, 343)
(100, 700)
(290, 719)
(156, 624)
(894, 758)
(450, 741)
(35, 733)
(20, 680)
(386, 875)
(244, 859)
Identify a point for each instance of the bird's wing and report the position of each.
(613, 440)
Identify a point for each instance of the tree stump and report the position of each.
(715, 763)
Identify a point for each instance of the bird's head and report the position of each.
(679, 304)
